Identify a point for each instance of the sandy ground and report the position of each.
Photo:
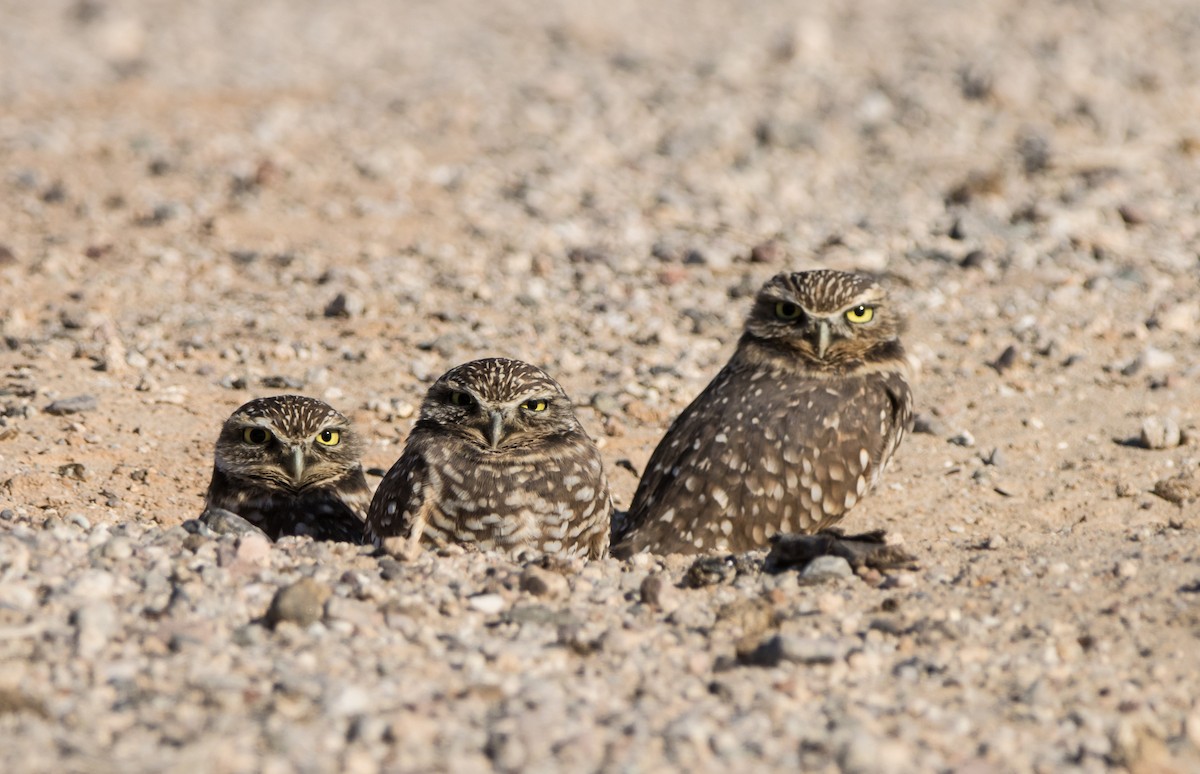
(205, 202)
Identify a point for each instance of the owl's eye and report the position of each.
(329, 437)
(255, 435)
(461, 399)
(535, 404)
(787, 311)
(861, 314)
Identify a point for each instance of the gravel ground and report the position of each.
(207, 201)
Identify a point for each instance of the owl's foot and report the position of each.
(869, 549)
(225, 522)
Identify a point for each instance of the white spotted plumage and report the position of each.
(486, 466)
(791, 434)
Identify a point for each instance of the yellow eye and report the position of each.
(787, 311)
(535, 404)
(461, 399)
(255, 435)
(861, 314)
(329, 437)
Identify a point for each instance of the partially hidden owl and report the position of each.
(496, 460)
(791, 434)
(289, 465)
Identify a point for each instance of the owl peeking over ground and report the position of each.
(791, 434)
(289, 465)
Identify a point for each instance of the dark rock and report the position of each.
(73, 405)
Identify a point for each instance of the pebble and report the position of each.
(828, 567)
(345, 305)
(73, 405)
(929, 425)
(1150, 359)
(488, 604)
(962, 438)
(1160, 433)
(300, 603)
(544, 583)
(789, 648)
(254, 549)
(95, 624)
(658, 591)
(1126, 569)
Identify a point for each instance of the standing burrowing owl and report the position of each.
(289, 466)
(794, 430)
(497, 459)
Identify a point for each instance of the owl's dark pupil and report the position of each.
(787, 311)
(326, 436)
(257, 435)
(460, 399)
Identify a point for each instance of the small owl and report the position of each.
(497, 460)
(791, 434)
(289, 466)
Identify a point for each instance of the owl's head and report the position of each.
(829, 319)
(287, 441)
(498, 404)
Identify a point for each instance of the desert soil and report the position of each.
(203, 202)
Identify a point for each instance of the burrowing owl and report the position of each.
(794, 430)
(498, 460)
(289, 465)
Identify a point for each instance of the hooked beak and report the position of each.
(295, 464)
(824, 336)
(496, 431)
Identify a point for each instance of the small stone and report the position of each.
(118, 548)
(794, 649)
(1126, 569)
(73, 470)
(345, 305)
(1151, 359)
(1006, 360)
(827, 568)
(95, 624)
(928, 425)
(544, 583)
(223, 522)
(301, 603)
(362, 614)
(1160, 433)
(254, 548)
(995, 542)
(1192, 726)
(963, 438)
(73, 405)
(767, 252)
(1181, 490)
(658, 591)
(488, 604)
(994, 458)
(1132, 214)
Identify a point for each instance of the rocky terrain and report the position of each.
(209, 201)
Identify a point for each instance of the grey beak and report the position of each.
(295, 463)
(496, 431)
(824, 336)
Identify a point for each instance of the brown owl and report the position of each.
(496, 460)
(289, 465)
(791, 434)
